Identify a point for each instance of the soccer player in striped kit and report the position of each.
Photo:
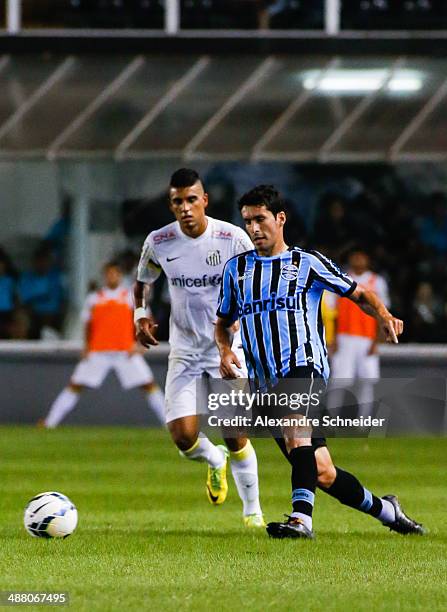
(275, 291)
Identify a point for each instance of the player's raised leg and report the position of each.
(90, 372)
(182, 416)
(133, 371)
(195, 446)
(155, 400)
(62, 405)
(349, 491)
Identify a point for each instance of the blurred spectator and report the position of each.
(266, 9)
(41, 291)
(128, 261)
(20, 326)
(222, 196)
(334, 227)
(7, 294)
(295, 229)
(57, 236)
(428, 315)
(366, 219)
(141, 216)
(433, 225)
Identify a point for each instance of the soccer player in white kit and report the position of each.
(357, 335)
(109, 345)
(192, 252)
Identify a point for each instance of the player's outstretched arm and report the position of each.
(228, 359)
(144, 323)
(370, 303)
(86, 350)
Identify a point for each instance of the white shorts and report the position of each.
(132, 370)
(352, 361)
(180, 390)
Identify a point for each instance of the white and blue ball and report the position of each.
(50, 515)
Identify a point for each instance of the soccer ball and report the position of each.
(50, 515)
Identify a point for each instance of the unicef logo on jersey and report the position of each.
(289, 272)
(213, 258)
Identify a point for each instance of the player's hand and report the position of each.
(227, 360)
(145, 332)
(137, 349)
(332, 348)
(234, 327)
(85, 353)
(372, 349)
(392, 328)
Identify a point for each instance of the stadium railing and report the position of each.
(296, 18)
(412, 352)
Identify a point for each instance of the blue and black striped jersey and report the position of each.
(277, 300)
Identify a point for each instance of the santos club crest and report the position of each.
(213, 258)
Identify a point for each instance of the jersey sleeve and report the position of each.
(330, 275)
(241, 242)
(149, 267)
(227, 304)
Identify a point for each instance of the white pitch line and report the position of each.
(55, 76)
(255, 78)
(161, 105)
(94, 105)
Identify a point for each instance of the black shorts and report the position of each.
(300, 392)
(301, 380)
(318, 442)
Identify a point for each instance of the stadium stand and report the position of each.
(406, 237)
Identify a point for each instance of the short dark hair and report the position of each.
(358, 248)
(184, 177)
(263, 195)
(113, 263)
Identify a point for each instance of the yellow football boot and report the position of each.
(254, 520)
(216, 482)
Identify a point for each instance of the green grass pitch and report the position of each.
(148, 539)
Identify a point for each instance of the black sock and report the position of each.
(348, 490)
(304, 479)
(282, 447)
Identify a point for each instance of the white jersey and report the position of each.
(375, 282)
(193, 267)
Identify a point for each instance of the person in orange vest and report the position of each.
(354, 351)
(109, 345)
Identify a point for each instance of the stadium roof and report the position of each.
(215, 107)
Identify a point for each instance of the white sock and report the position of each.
(307, 520)
(204, 450)
(156, 402)
(62, 405)
(244, 467)
(387, 514)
